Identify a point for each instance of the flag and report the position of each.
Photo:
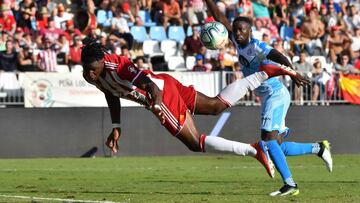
(350, 86)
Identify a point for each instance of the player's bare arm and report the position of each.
(279, 58)
(155, 94)
(218, 15)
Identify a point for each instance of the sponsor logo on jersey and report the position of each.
(132, 69)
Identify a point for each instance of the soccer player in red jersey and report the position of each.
(171, 102)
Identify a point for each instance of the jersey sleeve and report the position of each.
(263, 48)
(127, 70)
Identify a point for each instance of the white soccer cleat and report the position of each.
(325, 154)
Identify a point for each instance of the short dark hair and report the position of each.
(91, 51)
(243, 19)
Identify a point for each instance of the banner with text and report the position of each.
(71, 90)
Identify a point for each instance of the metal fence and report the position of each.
(318, 93)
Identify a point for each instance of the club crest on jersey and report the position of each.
(132, 69)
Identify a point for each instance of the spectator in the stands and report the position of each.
(7, 20)
(297, 44)
(245, 8)
(195, 12)
(30, 5)
(26, 59)
(71, 31)
(61, 17)
(75, 52)
(42, 18)
(192, 44)
(119, 22)
(171, 13)
(199, 64)
(145, 4)
(355, 45)
(311, 31)
(352, 18)
(46, 59)
(51, 31)
(345, 66)
(25, 21)
(8, 58)
(297, 13)
(142, 64)
(332, 16)
(304, 68)
(319, 81)
(259, 30)
(337, 43)
(62, 50)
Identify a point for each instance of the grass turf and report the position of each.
(176, 179)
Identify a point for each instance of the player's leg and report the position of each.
(190, 136)
(273, 108)
(229, 95)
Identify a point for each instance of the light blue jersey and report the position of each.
(274, 96)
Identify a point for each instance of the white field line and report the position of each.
(54, 199)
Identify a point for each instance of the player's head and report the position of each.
(92, 58)
(242, 30)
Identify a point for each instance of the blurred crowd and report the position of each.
(320, 37)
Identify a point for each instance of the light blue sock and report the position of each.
(295, 149)
(279, 159)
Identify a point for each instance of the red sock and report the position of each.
(202, 143)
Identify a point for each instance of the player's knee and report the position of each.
(269, 135)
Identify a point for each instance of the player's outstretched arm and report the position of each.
(115, 108)
(285, 68)
(218, 15)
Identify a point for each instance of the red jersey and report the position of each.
(120, 74)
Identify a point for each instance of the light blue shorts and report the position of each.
(274, 110)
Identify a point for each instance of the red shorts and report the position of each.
(177, 99)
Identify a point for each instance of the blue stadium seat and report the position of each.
(157, 33)
(176, 33)
(146, 18)
(286, 33)
(139, 33)
(189, 31)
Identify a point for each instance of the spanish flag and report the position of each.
(350, 87)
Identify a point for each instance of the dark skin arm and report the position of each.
(279, 58)
(115, 108)
(218, 15)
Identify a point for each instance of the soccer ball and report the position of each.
(214, 35)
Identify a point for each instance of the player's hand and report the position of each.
(112, 140)
(300, 80)
(156, 109)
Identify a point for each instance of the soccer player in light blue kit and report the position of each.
(255, 55)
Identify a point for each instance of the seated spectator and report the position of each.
(145, 4)
(119, 23)
(199, 64)
(311, 31)
(355, 45)
(75, 52)
(195, 12)
(61, 17)
(46, 59)
(345, 66)
(337, 43)
(192, 44)
(171, 13)
(51, 31)
(125, 52)
(25, 21)
(42, 18)
(142, 64)
(8, 58)
(7, 20)
(352, 18)
(245, 8)
(259, 30)
(304, 68)
(297, 44)
(62, 50)
(297, 13)
(104, 14)
(238, 74)
(26, 59)
(71, 31)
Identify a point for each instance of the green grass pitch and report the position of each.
(175, 179)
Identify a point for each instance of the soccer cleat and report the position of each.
(286, 190)
(325, 154)
(263, 157)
